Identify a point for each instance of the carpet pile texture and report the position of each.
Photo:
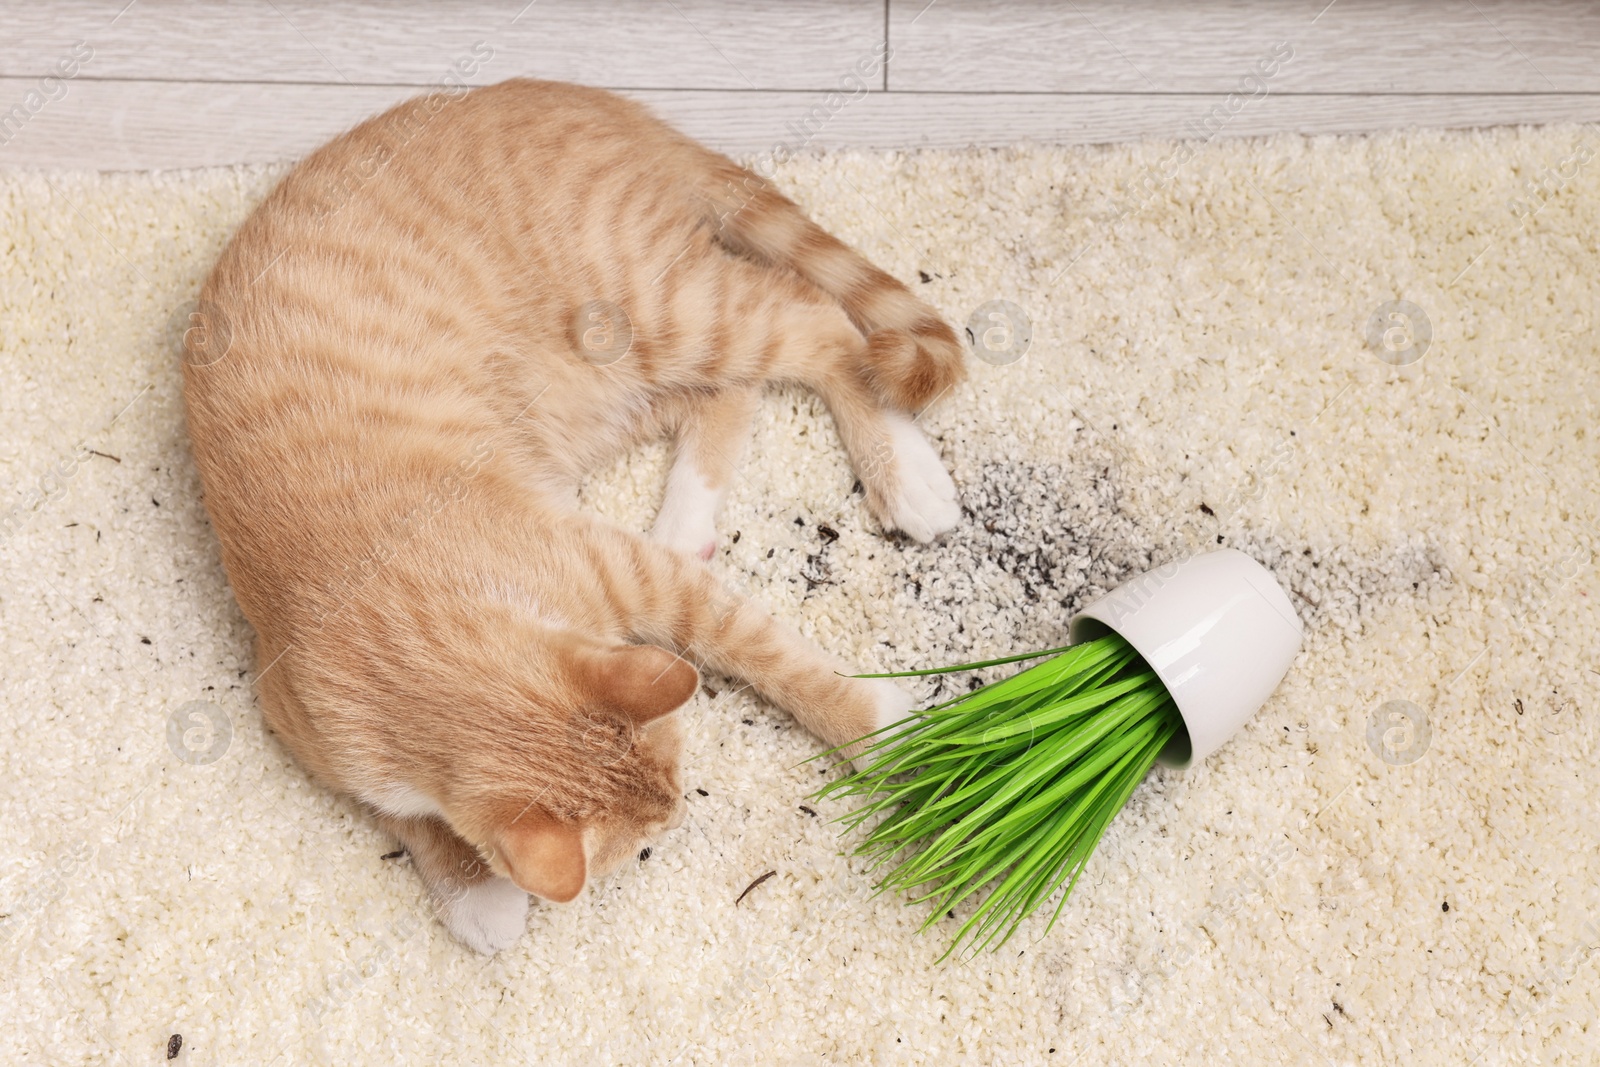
(1367, 362)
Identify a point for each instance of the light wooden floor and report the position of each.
(173, 83)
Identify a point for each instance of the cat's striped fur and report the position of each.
(393, 389)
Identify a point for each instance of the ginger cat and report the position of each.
(401, 367)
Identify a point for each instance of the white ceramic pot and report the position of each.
(1217, 629)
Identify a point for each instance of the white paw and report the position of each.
(687, 520)
(890, 704)
(920, 501)
(486, 917)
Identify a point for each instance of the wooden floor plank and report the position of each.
(1310, 46)
(153, 125)
(701, 44)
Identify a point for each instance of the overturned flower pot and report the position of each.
(1010, 787)
(1216, 628)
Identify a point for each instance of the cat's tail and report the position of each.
(912, 357)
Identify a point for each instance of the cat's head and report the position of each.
(606, 779)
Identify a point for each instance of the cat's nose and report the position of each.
(679, 813)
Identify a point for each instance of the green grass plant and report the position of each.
(1009, 787)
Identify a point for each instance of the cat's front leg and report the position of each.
(680, 605)
(483, 910)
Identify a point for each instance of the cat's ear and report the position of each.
(642, 681)
(544, 857)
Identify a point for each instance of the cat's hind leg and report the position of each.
(711, 435)
(904, 478)
(766, 324)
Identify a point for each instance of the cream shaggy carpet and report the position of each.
(1395, 861)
